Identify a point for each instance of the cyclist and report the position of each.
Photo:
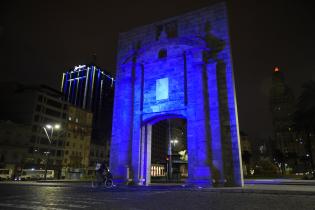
(103, 175)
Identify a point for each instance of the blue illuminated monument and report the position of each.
(178, 68)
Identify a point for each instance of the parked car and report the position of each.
(5, 174)
(33, 174)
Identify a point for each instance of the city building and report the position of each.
(90, 88)
(14, 141)
(37, 106)
(159, 142)
(245, 143)
(288, 148)
(59, 133)
(162, 132)
(77, 142)
(246, 151)
(97, 155)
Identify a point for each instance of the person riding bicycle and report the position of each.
(102, 173)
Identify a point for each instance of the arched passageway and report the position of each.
(177, 68)
(169, 154)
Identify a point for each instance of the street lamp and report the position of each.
(174, 142)
(49, 135)
(169, 153)
(51, 128)
(48, 126)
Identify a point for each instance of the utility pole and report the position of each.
(50, 138)
(169, 152)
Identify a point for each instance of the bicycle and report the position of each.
(105, 179)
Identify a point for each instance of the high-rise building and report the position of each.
(285, 145)
(88, 87)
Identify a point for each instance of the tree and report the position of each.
(304, 116)
(266, 168)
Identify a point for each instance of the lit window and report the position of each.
(162, 89)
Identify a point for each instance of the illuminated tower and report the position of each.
(282, 107)
(88, 87)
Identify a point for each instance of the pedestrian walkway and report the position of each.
(280, 181)
(21, 195)
(266, 186)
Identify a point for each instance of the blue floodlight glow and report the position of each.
(183, 83)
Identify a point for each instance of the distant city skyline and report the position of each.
(41, 40)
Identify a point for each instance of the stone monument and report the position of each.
(180, 67)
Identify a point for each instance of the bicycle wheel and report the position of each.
(108, 183)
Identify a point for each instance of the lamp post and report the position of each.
(174, 142)
(169, 153)
(49, 136)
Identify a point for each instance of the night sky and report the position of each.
(41, 39)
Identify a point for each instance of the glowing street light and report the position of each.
(48, 126)
(49, 137)
(174, 142)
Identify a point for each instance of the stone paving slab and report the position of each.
(43, 196)
(248, 188)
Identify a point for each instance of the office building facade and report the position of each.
(34, 108)
(89, 88)
(288, 147)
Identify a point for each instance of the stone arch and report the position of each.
(152, 119)
(187, 83)
(146, 131)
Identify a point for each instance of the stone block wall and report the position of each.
(179, 67)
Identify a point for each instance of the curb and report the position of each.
(62, 181)
(261, 191)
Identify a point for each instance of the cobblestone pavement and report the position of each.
(82, 196)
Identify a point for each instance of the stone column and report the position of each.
(142, 158)
(216, 163)
(122, 124)
(136, 137)
(147, 154)
(197, 130)
(229, 127)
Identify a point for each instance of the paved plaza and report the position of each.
(32, 195)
